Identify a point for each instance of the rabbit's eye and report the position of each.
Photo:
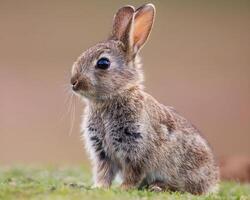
(103, 63)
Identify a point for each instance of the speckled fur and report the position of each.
(126, 131)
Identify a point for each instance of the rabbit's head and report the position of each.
(112, 66)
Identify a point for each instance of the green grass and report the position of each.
(75, 183)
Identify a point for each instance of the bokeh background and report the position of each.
(197, 60)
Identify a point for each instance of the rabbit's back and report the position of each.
(185, 156)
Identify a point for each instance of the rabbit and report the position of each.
(126, 131)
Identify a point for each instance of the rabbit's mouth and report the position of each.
(79, 84)
(83, 91)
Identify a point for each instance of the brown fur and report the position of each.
(126, 130)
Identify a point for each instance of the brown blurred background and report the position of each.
(197, 60)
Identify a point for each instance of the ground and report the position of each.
(75, 183)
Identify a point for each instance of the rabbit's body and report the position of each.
(127, 131)
(146, 142)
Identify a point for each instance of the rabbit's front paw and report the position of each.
(100, 186)
(127, 186)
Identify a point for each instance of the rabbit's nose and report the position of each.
(75, 84)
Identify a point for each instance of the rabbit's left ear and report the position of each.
(122, 23)
(143, 22)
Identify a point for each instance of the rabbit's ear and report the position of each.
(122, 23)
(143, 22)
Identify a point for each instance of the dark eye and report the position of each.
(103, 63)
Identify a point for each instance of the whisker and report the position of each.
(72, 116)
(67, 103)
(69, 109)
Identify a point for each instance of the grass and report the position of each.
(75, 183)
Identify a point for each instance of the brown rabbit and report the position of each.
(127, 132)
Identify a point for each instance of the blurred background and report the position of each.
(197, 60)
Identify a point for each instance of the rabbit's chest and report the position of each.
(123, 136)
(117, 134)
(115, 138)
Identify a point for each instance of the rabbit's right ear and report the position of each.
(122, 24)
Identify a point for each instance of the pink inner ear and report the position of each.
(143, 23)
